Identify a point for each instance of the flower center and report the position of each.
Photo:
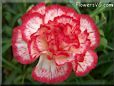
(57, 38)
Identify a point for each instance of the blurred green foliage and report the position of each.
(16, 73)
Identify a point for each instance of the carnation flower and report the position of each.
(60, 38)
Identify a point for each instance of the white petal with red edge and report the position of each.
(20, 48)
(31, 25)
(57, 10)
(84, 44)
(33, 50)
(70, 12)
(40, 8)
(48, 72)
(82, 48)
(63, 59)
(66, 20)
(86, 23)
(41, 43)
(52, 12)
(89, 62)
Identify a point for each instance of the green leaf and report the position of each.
(109, 70)
(9, 9)
(7, 16)
(97, 18)
(101, 32)
(15, 19)
(103, 42)
(105, 1)
(10, 78)
(105, 58)
(6, 47)
(103, 16)
(109, 47)
(75, 6)
(90, 77)
(19, 21)
(9, 64)
(97, 11)
(7, 30)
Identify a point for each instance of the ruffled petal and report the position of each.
(87, 23)
(31, 25)
(39, 8)
(64, 19)
(70, 12)
(82, 48)
(41, 43)
(47, 71)
(33, 50)
(52, 12)
(57, 10)
(20, 48)
(84, 44)
(82, 67)
(63, 58)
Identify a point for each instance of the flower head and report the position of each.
(61, 38)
